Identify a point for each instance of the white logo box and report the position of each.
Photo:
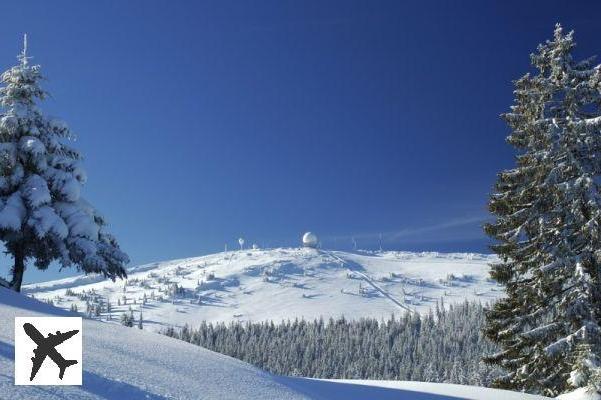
(48, 331)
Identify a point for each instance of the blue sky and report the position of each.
(204, 121)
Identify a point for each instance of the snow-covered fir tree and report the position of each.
(445, 346)
(43, 217)
(127, 320)
(547, 228)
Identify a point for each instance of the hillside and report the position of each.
(132, 364)
(123, 363)
(279, 284)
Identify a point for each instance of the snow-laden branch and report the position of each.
(541, 331)
(570, 340)
(588, 122)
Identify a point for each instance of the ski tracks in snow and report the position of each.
(369, 280)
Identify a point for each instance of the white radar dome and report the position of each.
(310, 240)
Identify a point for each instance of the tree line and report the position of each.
(442, 346)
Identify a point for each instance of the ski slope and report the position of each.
(279, 284)
(126, 363)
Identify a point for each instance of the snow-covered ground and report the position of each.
(125, 363)
(581, 394)
(400, 390)
(280, 284)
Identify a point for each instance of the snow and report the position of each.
(400, 390)
(32, 145)
(284, 283)
(127, 363)
(79, 219)
(44, 220)
(12, 213)
(580, 394)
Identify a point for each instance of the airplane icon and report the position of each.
(46, 347)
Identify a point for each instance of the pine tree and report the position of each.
(412, 347)
(547, 228)
(127, 320)
(43, 217)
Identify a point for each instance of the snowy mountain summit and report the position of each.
(278, 284)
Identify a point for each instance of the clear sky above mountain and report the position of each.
(205, 121)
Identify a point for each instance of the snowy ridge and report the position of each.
(124, 363)
(278, 284)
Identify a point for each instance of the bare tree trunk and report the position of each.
(4, 283)
(18, 270)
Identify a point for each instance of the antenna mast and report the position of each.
(23, 56)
